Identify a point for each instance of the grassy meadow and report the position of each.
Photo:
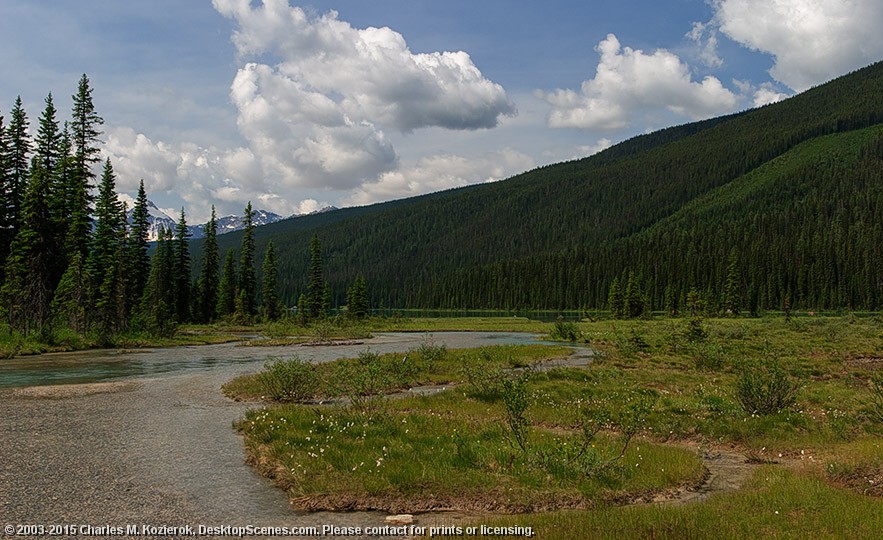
(566, 449)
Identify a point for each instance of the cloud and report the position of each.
(440, 172)
(812, 41)
(630, 85)
(705, 37)
(371, 71)
(303, 138)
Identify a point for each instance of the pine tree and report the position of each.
(247, 279)
(181, 270)
(357, 299)
(84, 136)
(6, 219)
(49, 152)
(19, 150)
(69, 302)
(227, 290)
(616, 300)
(634, 298)
(48, 138)
(733, 286)
(302, 310)
(60, 204)
(209, 279)
(105, 256)
(26, 294)
(156, 314)
(138, 259)
(269, 269)
(316, 285)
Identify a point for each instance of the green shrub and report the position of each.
(765, 389)
(565, 331)
(288, 380)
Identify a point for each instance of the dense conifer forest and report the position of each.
(772, 208)
(744, 211)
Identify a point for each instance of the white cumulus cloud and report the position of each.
(630, 84)
(812, 41)
(371, 71)
(440, 172)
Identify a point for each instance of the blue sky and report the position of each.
(298, 105)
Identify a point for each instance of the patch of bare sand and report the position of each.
(64, 391)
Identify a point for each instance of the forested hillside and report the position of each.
(781, 201)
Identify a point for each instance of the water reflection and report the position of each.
(104, 365)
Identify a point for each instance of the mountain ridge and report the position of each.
(533, 241)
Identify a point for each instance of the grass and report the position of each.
(824, 468)
(775, 503)
(452, 449)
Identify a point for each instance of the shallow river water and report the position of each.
(154, 440)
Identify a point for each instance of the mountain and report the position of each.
(775, 203)
(157, 218)
(228, 224)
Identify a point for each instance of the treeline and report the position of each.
(72, 260)
(668, 207)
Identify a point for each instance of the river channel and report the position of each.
(145, 437)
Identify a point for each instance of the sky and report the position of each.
(296, 106)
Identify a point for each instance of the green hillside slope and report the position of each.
(672, 206)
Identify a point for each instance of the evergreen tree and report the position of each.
(634, 298)
(181, 270)
(302, 309)
(84, 136)
(157, 314)
(26, 294)
(325, 308)
(316, 285)
(48, 139)
(616, 300)
(357, 299)
(733, 286)
(60, 204)
(209, 279)
(269, 270)
(69, 302)
(6, 219)
(105, 256)
(19, 150)
(227, 289)
(247, 279)
(138, 260)
(49, 153)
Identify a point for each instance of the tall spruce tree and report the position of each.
(209, 278)
(733, 286)
(26, 294)
(357, 299)
(19, 154)
(247, 279)
(316, 284)
(105, 256)
(48, 150)
(138, 259)
(6, 220)
(227, 288)
(268, 282)
(85, 138)
(60, 204)
(181, 270)
(156, 314)
(616, 300)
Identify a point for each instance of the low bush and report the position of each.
(289, 380)
(765, 388)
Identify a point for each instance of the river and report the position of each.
(146, 436)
